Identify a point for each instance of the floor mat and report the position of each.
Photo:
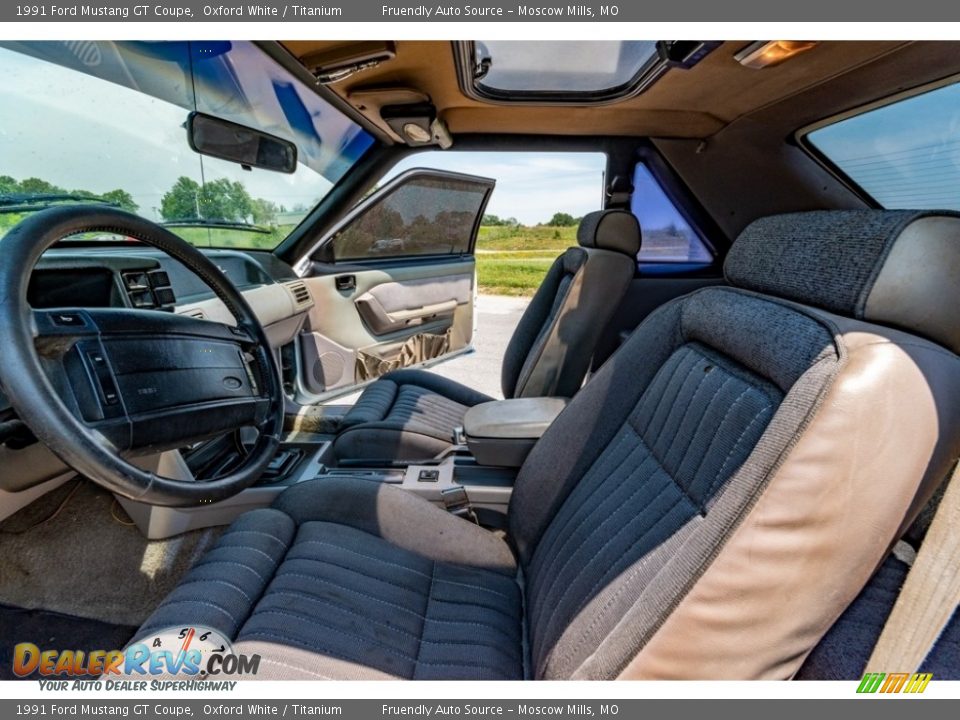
(54, 631)
(75, 551)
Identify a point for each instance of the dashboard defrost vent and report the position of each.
(301, 295)
(197, 314)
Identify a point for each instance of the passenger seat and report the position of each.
(411, 414)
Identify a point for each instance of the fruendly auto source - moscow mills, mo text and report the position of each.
(427, 11)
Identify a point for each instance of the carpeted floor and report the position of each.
(54, 631)
(75, 551)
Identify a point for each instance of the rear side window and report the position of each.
(423, 216)
(904, 155)
(667, 236)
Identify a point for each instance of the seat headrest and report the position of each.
(891, 267)
(616, 230)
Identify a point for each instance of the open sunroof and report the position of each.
(570, 71)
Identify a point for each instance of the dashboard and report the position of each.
(137, 278)
(145, 279)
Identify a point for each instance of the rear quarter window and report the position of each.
(905, 154)
(667, 236)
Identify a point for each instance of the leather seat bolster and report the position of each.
(882, 438)
(401, 518)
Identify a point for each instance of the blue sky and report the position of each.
(906, 155)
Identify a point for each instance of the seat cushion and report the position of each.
(408, 415)
(407, 591)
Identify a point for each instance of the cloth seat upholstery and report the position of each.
(705, 508)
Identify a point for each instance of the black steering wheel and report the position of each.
(97, 386)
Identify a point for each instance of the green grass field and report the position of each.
(513, 261)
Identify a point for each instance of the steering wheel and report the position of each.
(97, 386)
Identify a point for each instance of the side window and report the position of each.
(533, 213)
(667, 236)
(421, 216)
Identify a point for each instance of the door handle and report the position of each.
(346, 282)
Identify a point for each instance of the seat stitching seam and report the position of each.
(397, 628)
(298, 642)
(696, 430)
(688, 352)
(228, 562)
(620, 590)
(423, 625)
(397, 606)
(319, 622)
(552, 550)
(675, 395)
(558, 552)
(219, 582)
(706, 454)
(253, 532)
(371, 577)
(566, 592)
(719, 475)
(600, 611)
(402, 567)
(181, 601)
(247, 548)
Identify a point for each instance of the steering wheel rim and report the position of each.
(39, 405)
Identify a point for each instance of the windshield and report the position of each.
(106, 121)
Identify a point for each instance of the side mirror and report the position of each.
(250, 148)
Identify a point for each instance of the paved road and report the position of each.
(497, 316)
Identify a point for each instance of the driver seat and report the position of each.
(705, 508)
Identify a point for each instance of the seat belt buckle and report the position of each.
(456, 501)
(459, 436)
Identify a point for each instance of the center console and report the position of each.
(475, 478)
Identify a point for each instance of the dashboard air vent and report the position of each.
(149, 289)
(301, 295)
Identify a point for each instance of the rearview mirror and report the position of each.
(250, 148)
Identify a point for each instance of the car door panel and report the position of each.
(394, 281)
(386, 309)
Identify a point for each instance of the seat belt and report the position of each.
(930, 594)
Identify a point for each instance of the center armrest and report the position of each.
(503, 432)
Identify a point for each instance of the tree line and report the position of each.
(560, 219)
(221, 199)
(37, 186)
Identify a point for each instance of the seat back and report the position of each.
(724, 486)
(551, 348)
